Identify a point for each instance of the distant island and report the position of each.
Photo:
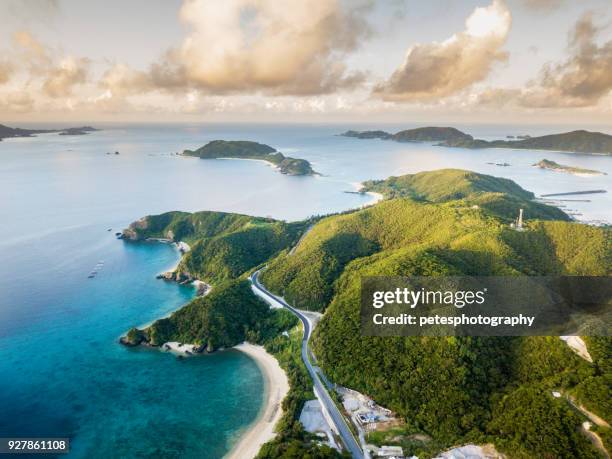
(553, 166)
(426, 134)
(580, 141)
(244, 149)
(7, 132)
(83, 130)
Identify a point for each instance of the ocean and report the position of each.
(62, 198)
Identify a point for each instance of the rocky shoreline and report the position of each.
(139, 337)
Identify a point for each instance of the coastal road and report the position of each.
(339, 422)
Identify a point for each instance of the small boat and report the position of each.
(91, 276)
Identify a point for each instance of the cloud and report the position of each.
(6, 71)
(69, 73)
(30, 11)
(543, 5)
(58, 74)
(582, 80)
(16, 102)
(32, 52)
(436, 70)
(293, 48)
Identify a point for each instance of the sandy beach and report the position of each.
(277, 386)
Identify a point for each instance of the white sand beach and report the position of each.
(277, 386)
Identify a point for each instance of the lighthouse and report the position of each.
(519, 222)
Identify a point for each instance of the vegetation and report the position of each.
(223, 318)
(449, 390)
(529, 422)
(553, 166)
(292, 441)
(500, 197)
(576, 141)
(223, 245)
(244, 149)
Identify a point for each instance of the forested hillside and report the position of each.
(500, 197)
(456, 389)
(223, 245)
(449, 390)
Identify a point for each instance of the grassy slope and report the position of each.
(501, 197)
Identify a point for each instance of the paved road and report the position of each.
(340, 424)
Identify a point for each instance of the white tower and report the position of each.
(519, 223)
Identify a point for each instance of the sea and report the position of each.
(63, 198)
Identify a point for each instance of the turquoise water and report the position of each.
(62, 372)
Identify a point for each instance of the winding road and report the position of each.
(336, 417)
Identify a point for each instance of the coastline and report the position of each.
(277, 386)
(269, 163)
(376, 197)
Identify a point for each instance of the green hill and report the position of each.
(449, 390)
(430, 134)
(499, 196)
(424, 134)
(243, 149)
(223, 245)
(457, 389)
(223, 318)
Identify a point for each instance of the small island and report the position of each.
(579, 141)
(244, 149)
(7, 132)
(553, 166)
(82, 130)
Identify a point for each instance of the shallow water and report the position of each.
(62, 372)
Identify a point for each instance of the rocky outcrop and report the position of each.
(133, 232)
(177, 276)
(134, 337)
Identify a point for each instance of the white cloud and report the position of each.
(435, 70)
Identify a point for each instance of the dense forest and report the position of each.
(450, 390)
(455, 389)
(223, 245)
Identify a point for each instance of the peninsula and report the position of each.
(244, 149)
(7, 132)
(553, 166)
(445, 222)
(579, 141)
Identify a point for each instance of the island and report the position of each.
(579, 141)
(441, 391)
(553, 166)
(7, 132)
(425, 134)
(83, 130)
(244, 149)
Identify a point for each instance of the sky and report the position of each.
(488, 61)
